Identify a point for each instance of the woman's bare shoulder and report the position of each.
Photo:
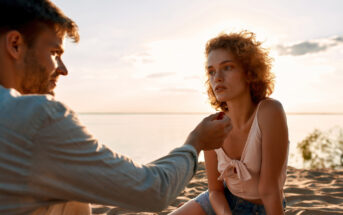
(270, 110)
(270, 105)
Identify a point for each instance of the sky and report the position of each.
(148, 55)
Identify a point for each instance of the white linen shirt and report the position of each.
(48, 157)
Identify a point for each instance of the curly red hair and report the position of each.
(254, 59)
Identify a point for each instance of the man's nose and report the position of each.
(61, 68)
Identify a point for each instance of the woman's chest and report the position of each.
(234, 144)
(245, 147)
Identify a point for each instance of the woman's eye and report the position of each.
(227, 67)
(211, 72)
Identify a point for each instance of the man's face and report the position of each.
(43, 64)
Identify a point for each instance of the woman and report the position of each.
(247, 174)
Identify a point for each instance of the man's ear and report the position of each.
(15, 44)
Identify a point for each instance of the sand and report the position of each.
(307, 192)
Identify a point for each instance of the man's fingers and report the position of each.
(224, 124)
(227, 129)
(214, 129)
(225, 120)
(214, 116)
(220, 115)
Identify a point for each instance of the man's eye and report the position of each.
(54, 53)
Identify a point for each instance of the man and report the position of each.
(46, 156)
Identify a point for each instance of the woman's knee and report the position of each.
(191, 208)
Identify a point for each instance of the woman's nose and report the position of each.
(218, 77)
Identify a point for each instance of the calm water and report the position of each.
(146, 137)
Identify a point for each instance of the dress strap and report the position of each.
(259, 104)
(254, 130)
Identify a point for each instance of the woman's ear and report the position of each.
(15, 44)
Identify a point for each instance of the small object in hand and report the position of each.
(220, 116)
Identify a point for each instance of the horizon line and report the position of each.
(195, 113)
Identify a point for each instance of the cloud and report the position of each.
(141, 57)
(308, 47)
(339, 39)
(160, 75)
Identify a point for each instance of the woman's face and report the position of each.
(226, 75)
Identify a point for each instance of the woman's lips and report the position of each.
(219, 88)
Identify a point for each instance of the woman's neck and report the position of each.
(240, 111)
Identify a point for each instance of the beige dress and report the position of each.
(242, 176)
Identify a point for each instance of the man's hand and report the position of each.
(210, 132)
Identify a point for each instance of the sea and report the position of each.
(147, 137)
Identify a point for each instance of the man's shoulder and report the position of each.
(33, 105)
(46, 105)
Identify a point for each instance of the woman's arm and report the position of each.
(215, 187)
(273, 125)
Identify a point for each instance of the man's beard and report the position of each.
(36, 77)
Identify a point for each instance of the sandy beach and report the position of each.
(307, 192)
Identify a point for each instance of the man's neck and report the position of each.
(8, 79)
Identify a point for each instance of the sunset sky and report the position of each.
(148, 55)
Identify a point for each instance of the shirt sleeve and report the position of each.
(70, 164)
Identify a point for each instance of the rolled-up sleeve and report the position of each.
(70, 164)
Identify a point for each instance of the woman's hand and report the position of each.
(215, 187)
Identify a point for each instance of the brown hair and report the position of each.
(255, 62)
(30, 17)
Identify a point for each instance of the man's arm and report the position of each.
(69, 164)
